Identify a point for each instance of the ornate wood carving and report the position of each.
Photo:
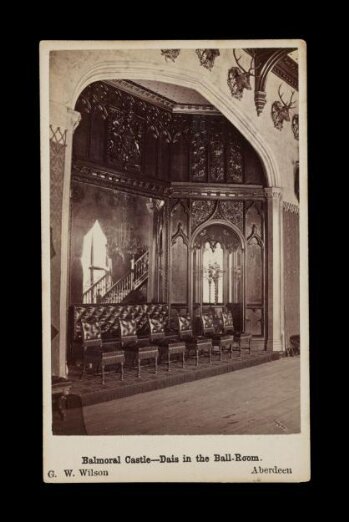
(233, 212)
(295, 126)
(254, 237)
(277, 61)
(170, 54)
(161, 101)
(125, 139)
(207, 57)
(214, 191)
(287, 70)
(254, 231)
(216, 150)
(198, 150)
(234, 161)
(111, 179)
(180, 233)
(201, 210)
(214, 234)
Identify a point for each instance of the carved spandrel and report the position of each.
(254, 220)
(179, 216)
(201, 210)
(231, 211)
(207, 57)
(215, 234)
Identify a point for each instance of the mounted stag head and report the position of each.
(280, 111)
(239, 78)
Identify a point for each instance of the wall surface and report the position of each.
(57, 152)
(120, 215)
(291, 270)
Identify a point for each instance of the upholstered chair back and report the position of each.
(207, 324)
(128, 331)
(156, 328)
(184, 326)
(227, 320)
(91, 334)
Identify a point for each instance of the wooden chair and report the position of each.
(137, 350)
(195, 344)
(167, 345)
(220, 341)
(242, 340)
(94, 353)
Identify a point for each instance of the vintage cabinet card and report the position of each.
(174, 255)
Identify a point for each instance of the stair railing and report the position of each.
(95, 292)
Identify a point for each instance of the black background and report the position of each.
(209, 21)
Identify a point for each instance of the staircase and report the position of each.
(104, 291)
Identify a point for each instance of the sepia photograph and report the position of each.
(174, 251)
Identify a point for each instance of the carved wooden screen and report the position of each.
(218, 258)
(254, 233)
(179, 252)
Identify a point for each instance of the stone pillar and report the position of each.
(63, 122)
(274, 272)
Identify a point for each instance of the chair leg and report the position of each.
(197, 357)
(231, 350)
(102, 365)
(210, 355)
(220, 353)
(122, 371)
(183, 359)
(156, 364)
(138, 367)
(168, 362)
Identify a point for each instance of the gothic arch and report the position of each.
(222, 222)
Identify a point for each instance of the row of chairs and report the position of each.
(160, 345)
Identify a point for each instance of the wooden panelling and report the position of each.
(291, 270)
(179, 160)
(97, 138)
(179, 284)
(150, 160)
(120, 131)
(254, 271)
(254, 232)
(254, 321)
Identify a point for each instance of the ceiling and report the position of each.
(175, 93)
(168, 96)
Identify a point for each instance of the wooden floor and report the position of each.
(259, 400)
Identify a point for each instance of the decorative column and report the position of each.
(274, 283)
(63, 123)
(152, 272)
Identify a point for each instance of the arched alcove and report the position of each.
(230, 109)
